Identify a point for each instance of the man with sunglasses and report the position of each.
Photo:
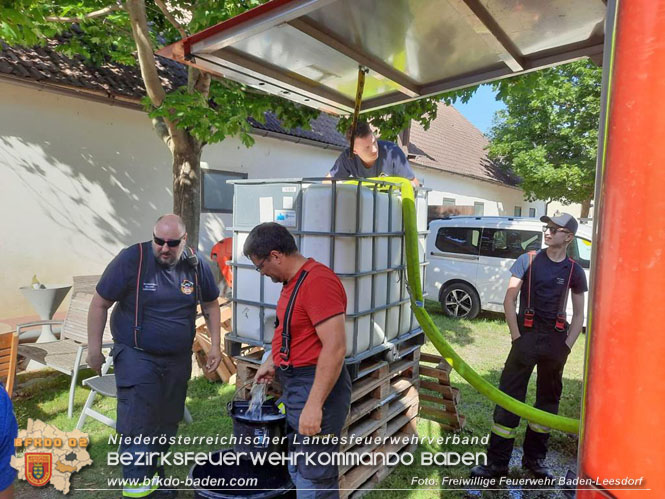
(541, 336)
(156, 286)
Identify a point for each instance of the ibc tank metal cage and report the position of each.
(354, 228)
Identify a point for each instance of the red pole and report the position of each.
(623, 427)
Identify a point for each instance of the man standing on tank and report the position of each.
(308, 347)
(372, 158)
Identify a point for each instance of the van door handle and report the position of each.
(455, 255)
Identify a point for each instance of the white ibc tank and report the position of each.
(317, 217)
(363, 262)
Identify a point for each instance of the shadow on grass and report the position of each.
(455, 330)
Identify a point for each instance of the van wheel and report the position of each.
(459, 300)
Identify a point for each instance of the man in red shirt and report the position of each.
(309, 347)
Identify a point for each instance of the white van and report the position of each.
(470, 259)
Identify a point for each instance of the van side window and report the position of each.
(458, 240)
(580, 251)
(509, 243)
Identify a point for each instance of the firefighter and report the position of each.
(156, 285)
(372, 158)
(308, 346)
(541, 336)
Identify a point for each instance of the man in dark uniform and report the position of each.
(8, 432)
(308, 347)
(372, 158)
(541, 337)
(156, 285)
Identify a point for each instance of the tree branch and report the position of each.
(153, 84)
(162, 130)
(170, 18)
(97, 13)
(198, 80)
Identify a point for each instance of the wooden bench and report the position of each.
(67, 354)
(8, 351)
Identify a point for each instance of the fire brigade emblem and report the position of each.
(37, 468)
(187, 287)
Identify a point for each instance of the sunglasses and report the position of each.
(554, 230)
(172, 243)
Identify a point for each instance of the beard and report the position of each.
(166, 259)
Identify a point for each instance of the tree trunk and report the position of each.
(187, 187)
(586, 207)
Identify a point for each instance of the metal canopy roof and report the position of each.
(308, 51)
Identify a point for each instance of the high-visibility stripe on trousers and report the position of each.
(548, 351)
(143, 490)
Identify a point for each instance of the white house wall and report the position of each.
(497, 200)
(81, 180)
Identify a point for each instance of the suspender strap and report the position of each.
(138, 305)
(563, 301)
(285, 351)
(529, 313)
(198, 295)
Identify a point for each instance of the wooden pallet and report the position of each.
(226, 371)
(241, 351)
(374, 476)
(399, 422)
(407, 365)
(375, 362)
(439, 400)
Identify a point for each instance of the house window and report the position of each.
(217, 195)
(447, 202)
(532, 212)
(479, 209)
(518, 211)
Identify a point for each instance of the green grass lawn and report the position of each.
(484, 343)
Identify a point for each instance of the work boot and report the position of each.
(489, 471)
(538, 468)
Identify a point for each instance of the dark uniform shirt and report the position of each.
(548, 282)
(391, 162)
(168, 295)
(8, 432)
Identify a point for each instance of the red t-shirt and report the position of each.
(321, 297)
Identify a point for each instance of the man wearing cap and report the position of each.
(541, 336)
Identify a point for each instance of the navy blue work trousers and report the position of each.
(314, 481)
(151, 402)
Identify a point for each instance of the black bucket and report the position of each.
(266, 434)
(271, 481)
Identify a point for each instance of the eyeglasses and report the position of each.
(554, 230)
(171, 243)
(260, 265)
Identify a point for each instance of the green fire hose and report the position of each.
(568, 425)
